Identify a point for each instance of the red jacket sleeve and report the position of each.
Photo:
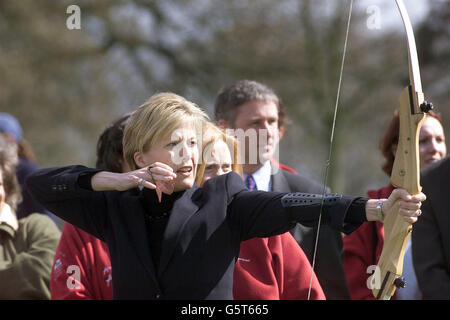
(274, 268)
(81, 268)
(296, 272)
(362, 248)
(359, 254)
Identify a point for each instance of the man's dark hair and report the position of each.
(109, 146)
(233, 96)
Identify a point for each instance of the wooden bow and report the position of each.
(406, 169)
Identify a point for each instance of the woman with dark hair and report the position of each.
(363, 247)
(184, 244)
(27, 164)
(432, 141)
(109, 147)
(27, 246)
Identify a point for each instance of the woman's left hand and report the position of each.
(401, 202)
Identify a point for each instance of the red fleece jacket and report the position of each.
(362, 248)
(81, 268)
(274, 268)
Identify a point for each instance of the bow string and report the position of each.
(328, 163)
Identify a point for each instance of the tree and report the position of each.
(66, 85)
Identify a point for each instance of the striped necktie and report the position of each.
(250, 183)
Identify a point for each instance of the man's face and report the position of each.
(261, 116)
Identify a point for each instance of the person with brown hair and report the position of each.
(219, 154)
(363, 247)
(252, 110)
(27, 246)
(11, 127)
(183, 244)
(432, 145)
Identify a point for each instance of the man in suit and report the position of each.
(256, 116)
(431, 236)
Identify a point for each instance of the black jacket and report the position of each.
(431, 233)
(202, 238)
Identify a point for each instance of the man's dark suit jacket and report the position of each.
(202, 238)
(431, 233)
(328, 266)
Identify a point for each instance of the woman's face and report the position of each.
(431, 142)
(219, 162)
(179, 151)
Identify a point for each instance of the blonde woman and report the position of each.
(219, 154)
(185, 246)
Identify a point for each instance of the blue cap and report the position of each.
(10, 125)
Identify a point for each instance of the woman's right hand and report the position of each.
(147, 177)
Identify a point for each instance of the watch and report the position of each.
(380, 209)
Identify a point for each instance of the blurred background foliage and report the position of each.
(66, 85)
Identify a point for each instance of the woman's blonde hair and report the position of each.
(155, 120)
(212, 134)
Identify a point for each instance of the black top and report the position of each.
(156, 218)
